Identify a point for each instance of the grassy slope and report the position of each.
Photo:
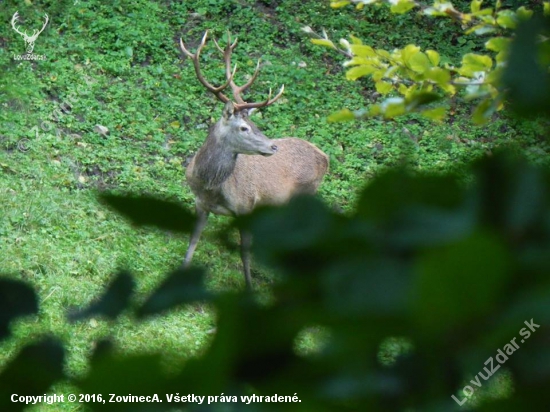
(54, 233)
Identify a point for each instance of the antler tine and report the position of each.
(252, 79)
(227, 51)
(217, 45)
(240, 104)
(231, 45)
(14, 20)
(45, 23)
(201, 45)
(269, 101)
(217, 91)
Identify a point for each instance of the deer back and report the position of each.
(297, 167)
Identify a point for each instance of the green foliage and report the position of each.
(117, 65)
(411, 73)
(527, 75)
(115, 299)
(16, 299)
(459, 270)
(152, 212)
(43, 360)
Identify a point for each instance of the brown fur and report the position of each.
(297, 167)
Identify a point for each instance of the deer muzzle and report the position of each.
(271, 150)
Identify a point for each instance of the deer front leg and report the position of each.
(246, 242)
(202, 217)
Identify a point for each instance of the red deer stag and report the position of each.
(226, 179)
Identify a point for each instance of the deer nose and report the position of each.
(274, 147)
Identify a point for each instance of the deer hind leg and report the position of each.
(202, 218)
(246, 242)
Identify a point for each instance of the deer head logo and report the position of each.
(29, 40)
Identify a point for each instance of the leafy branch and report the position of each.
(413, 79)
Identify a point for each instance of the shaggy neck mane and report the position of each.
(214, 161)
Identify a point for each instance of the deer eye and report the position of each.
(244, 129)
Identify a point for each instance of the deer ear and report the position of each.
(252, 111)
(228, 110)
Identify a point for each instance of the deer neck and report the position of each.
(215, 162)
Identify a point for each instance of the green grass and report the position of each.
(53, 231)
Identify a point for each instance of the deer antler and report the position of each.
(238, 90)
(14, 20)
(239, 104)
(43, 27)
(35, 33)
(217, 91)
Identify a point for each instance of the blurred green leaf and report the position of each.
(417, 211)
(323, 42)
(408, 52)
(419, 62)
(393, 107)
(338, 4)
(359, 71)
(150, 211)
(16, 299)
(438, 75)
(434, 57)
(474, 63)
(459, 283)
(436, 114)
(419, 99)
(343, 115)
(402, 6)
(525, 76)
(362, 50)
(138, 375)
(113, 301)
(383, 87)
(362, 286)
(507, 19)
(483, 112)
(32, 372)
(180, 287)
(497, 44)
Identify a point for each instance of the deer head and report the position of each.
(240, 134)
(29, 40)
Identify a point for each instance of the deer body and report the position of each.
(238, 168)
(237, 183)
(229, 183)
(297, 167)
